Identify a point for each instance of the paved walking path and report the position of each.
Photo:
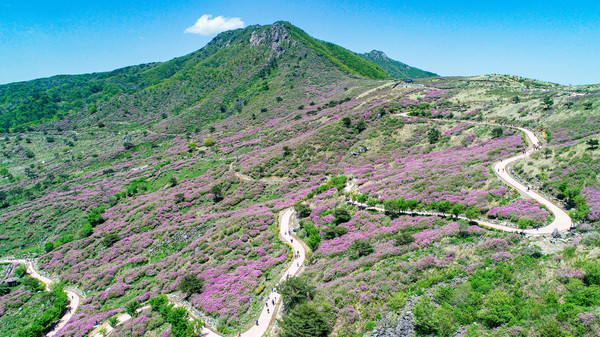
(266, 319)
(273, 302)
(562, 221)
(74, 298)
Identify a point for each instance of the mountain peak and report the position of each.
(273, 36)
(395, 68)
(377, 54)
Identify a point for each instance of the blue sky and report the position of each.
(548, 40)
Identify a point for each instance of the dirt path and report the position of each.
(74, 298)
(370, 91)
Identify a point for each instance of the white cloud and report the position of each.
(206, 25)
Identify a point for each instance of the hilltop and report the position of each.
(172, 179)
(395, 68)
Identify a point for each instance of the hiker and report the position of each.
(273, 302)
(267, 310)
(256, 322)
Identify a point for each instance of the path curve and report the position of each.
(562, 221)
(266, 318)
(74, 299)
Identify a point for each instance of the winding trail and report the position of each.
(74, 298)
(562, 221)
(268, 315)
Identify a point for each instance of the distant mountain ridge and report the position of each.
(235, 66)
(395, 69)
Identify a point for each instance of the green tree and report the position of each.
(341, 215)
(173, 181)
(304, 321)
(111, 239)
(472, 212)
(131, 309)
(179, 197)
(457, 209)
(302, 210)
(180, 325)
(158, 301)
(360, 248)
(552, 330)
(332, 232)
(21, 270)
(497, 132)
(592, 143)
(48, 246)
(95, 217)
(404, 238)
(192, 146)
(191, 284)
(346, 122)
(32, 284)
(361, 126)
(296, 290)
(498, 309)
(287, 151)
(433, 135)
(397, 301)
(208, 142)
(217, 192)
(592, 274)
(424, 321)
(548, 102)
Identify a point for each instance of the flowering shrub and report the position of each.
(523, 209)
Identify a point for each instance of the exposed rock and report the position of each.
(395, 325)
(273, 37)
(362, 149)
(555, 234)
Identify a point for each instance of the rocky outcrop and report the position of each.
(272, 37)
(395, 325)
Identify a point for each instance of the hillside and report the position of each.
(178, 184)
(233, 68)
(395, 68)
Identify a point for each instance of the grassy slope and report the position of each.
(196, 75)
